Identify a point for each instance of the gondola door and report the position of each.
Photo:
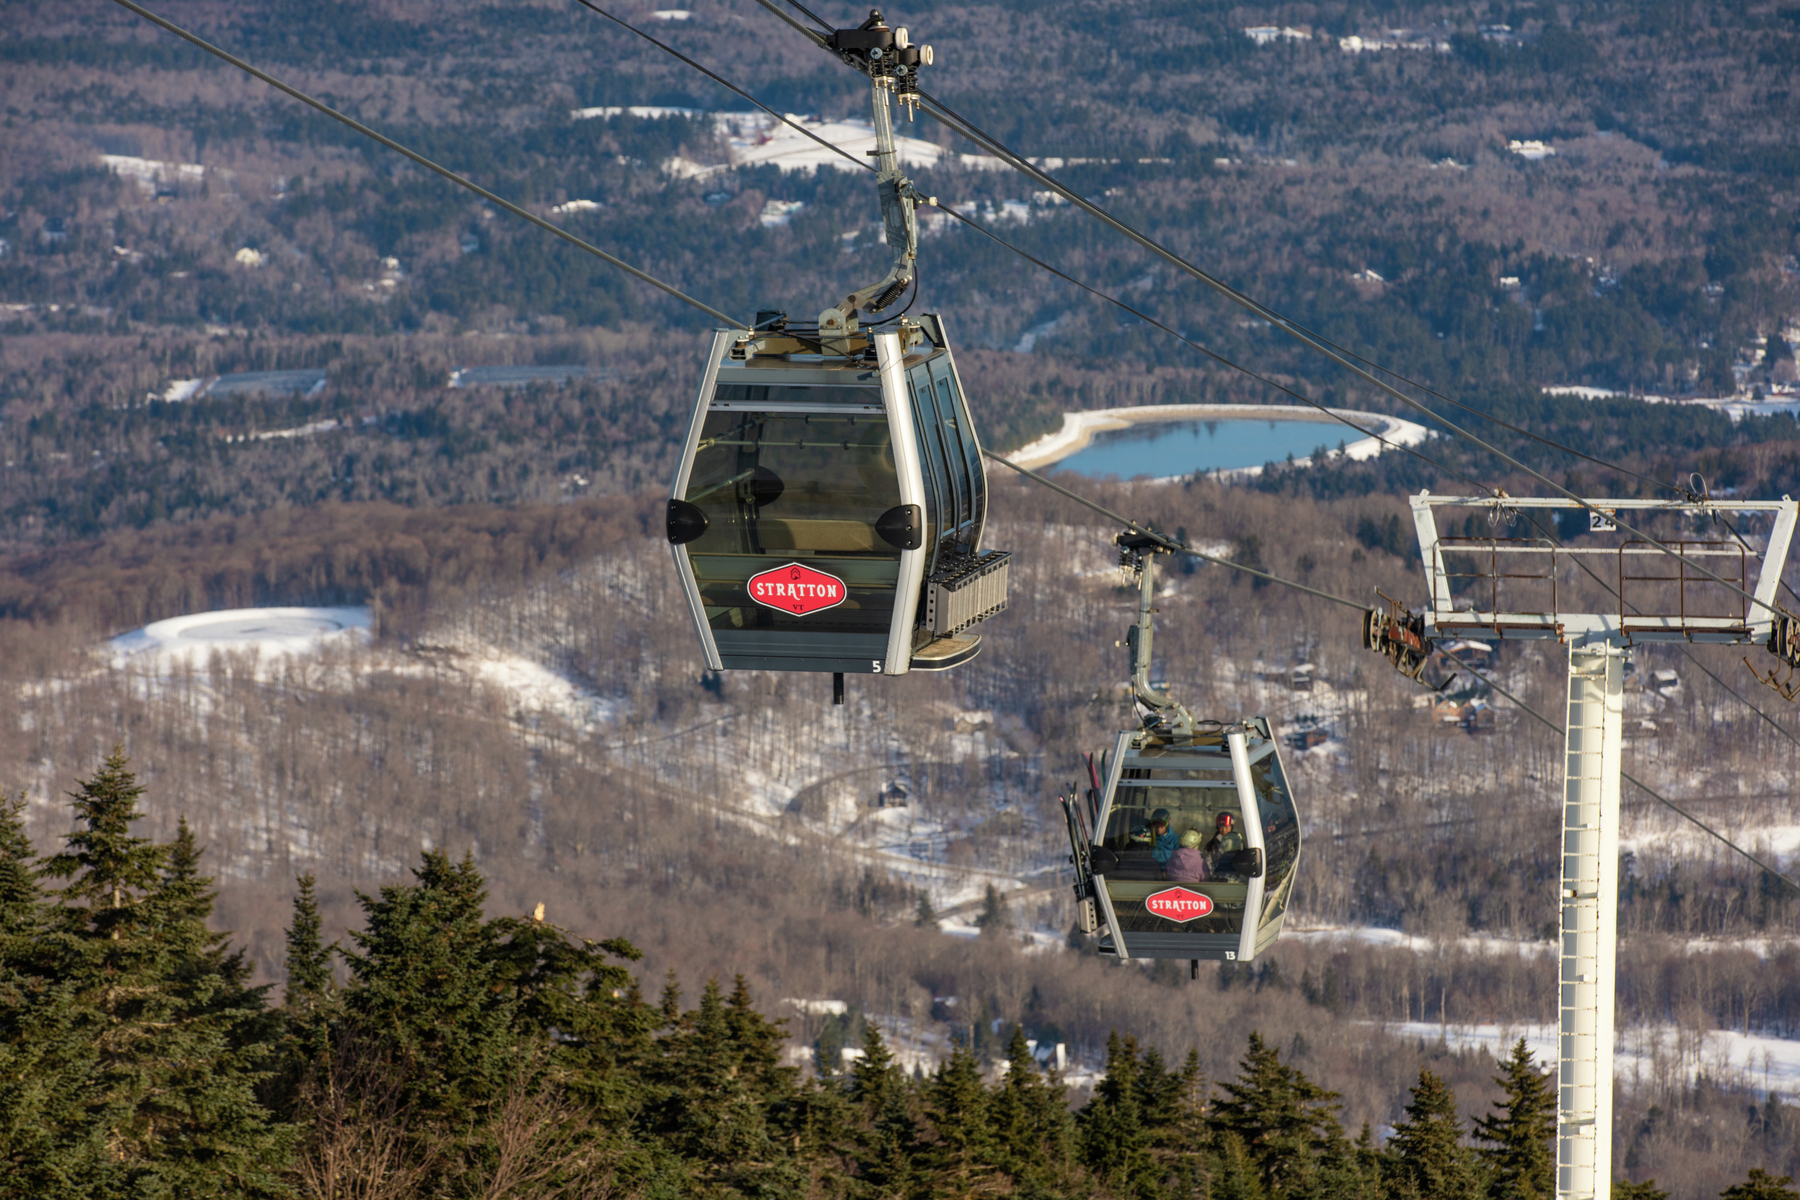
(797, 515)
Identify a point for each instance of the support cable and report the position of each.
(958, 124)
(1547, 723)
(1167, 542)
(1171, 544)
(1689, 654)
(1031, 258)
(452, 176)
(984, 231)
(1014, 160)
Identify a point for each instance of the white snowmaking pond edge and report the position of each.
(1079, 428)
(268, 631)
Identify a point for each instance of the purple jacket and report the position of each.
(1187, 866)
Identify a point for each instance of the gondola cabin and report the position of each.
(1156, 790)
(828, 511)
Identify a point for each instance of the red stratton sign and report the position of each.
(797, 589)
(1178, 904)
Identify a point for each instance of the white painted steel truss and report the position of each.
(1598, 643)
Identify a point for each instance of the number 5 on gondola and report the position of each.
(828, 511)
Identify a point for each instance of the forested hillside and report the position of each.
(442, 1051)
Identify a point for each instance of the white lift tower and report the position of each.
(1507, 588)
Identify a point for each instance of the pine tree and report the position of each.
(994, 918)
(874, 1078)
(1521, 1137)
(1760, 1185)
(1030, 1121)
(1428, 1159)
(308, 958)
(180, 1043)
(712, 1114)
(888, 1137)
(1624, 1189)
(184, 901)
(1283, 1119)
(21, 899)
(424, 985)
(957, 1105)
(1181, 1139)
(108, 866)
(51, 1126)
(923, 916)
(1114, 1141)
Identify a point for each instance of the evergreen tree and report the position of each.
(108, 867)
(889, 1138)
(714, 1114)
(1624, 1189)
(874, 1078)
(1115, 1145)
(957, 1104)
(1427, 1158)
(308, 958)
(1521, 1137)
(425, 986)
(179, 1044)
(1760, 1185)
(923, 916)
(51, 1127)
(1030, 1121)
(994, 918)
(1283, 1120)
(183, 902)
(1174, 1107)
(21, 899)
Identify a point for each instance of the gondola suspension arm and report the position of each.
(892, 64)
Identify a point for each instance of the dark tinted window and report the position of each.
(794, 487)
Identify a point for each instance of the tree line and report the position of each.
(443, 1052)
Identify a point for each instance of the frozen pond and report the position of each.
(1164, 448)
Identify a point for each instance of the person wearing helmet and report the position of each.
(1225, 842)
(1187, 864)
(1154, 835)
(1163, 842)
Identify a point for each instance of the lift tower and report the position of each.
(1508, 588)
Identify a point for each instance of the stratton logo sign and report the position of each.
(797, 589)
(1179, 904)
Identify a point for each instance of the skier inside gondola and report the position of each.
(1225, 842)
(1188, 864)
(1158, 837)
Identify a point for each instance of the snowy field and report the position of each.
(1642, 1055)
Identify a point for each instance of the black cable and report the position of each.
(1320, 337)
(452, 176)
(815, 18)
(817, 39)
(1689, 654)
(1216, 357)
(959, 125)
(1167, 542)
(1627, 776)
(1035, 261)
